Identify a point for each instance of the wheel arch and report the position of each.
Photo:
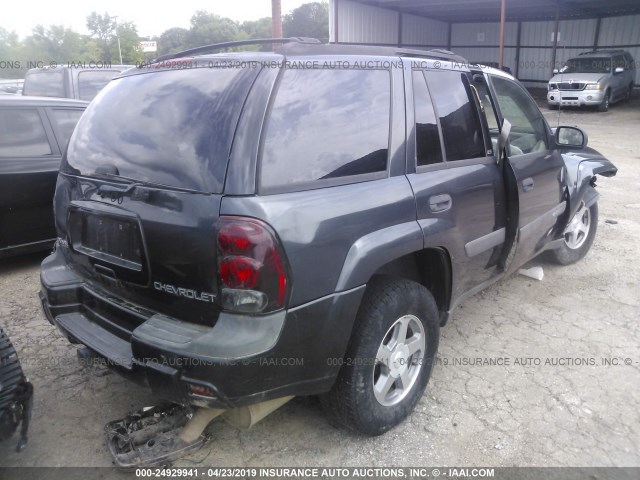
(431, 268)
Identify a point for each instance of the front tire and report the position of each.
(606, 103)
(389, 360)
(578, 236)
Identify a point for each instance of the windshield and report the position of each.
(171, 127)
(587, 65)
(44, 84)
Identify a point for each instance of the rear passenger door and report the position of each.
(537, 166)
(29, 162)
(450, 165)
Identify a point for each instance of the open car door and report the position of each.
(534, 171)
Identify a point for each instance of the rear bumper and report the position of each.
(576, 99)
(239, 361)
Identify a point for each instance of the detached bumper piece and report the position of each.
(16, 394)
(151, 437)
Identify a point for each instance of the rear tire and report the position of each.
(579, 236)
(384, 372)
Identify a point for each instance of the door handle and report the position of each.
(527, 184)
(440, 203)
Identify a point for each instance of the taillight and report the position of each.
(252, 269)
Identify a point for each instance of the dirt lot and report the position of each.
(568, 410)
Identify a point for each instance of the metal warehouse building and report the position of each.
(538, 34)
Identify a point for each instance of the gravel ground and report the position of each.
(560, 412)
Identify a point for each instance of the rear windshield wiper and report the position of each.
(129, 185)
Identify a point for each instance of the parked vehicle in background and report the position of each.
(34, 132)
(247, 229)
(82, 83)
(598, 78)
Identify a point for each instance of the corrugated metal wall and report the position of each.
(358, 23)
(622, 32)
(419, 31)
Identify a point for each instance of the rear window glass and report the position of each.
(171, 127)
(22, 134)
(587, 65)
(44, 84)
(327, 124)
(428, 149)
(461, 129)
(66, 120)
(92, 81)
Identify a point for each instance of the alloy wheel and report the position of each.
(577, 231)
(399, 360)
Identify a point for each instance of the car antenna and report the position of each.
(564, 51)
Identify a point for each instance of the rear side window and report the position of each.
(22, 133)
(65, 120)
(461, 129)
(619, 61)
(92, 81)
(44, 83)
(428, 149)
(326, 124)
(629, 60)
(168, 127)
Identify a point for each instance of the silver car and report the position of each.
(597, 78)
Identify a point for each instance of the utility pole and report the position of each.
(276, 21)
(502, 19)
(118, 38)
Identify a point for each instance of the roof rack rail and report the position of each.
(441, 50)
(438, 53)
(602, 51)
(237, 43)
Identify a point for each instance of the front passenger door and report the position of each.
(537, 167)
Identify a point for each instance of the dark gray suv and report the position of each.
(240, 227)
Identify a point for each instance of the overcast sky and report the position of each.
(151, 18)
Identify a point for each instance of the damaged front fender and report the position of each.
(582, 166)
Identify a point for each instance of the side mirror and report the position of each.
(618, 70)
(571, 137)
(555, 71)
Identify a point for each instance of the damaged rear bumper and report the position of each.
(239, 361)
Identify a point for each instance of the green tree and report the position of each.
(260, 28)
(129, 44)
(172, 40)
(103, 29)
(55, 43)
(308, 20)
(11, 53)
(207, 28)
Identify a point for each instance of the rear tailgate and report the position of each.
(154, 249)
(139, 193)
